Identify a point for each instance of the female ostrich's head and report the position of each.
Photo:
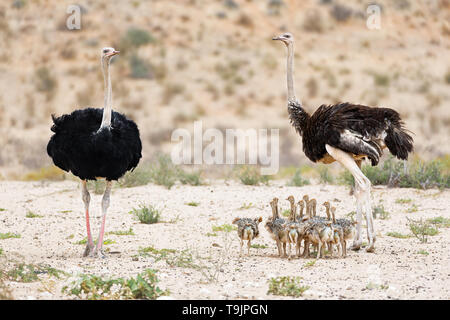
(287, 38)
(108, 53)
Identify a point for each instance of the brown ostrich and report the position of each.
(347, 133)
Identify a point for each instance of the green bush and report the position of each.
(139, 69)
(297, 180)
(286, 286)
(93, 287)
(250, 175)
(147, 214)
(135, 38)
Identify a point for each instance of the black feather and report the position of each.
(80, 147)
(352, 128)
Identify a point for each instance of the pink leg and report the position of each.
(105, 205)
(86, 199)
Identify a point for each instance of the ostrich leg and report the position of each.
(86, 199)
(105, 205)
(362, 193)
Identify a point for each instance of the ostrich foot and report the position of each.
(89, 250)
(356, 246)
(98, 253)
(371, 246)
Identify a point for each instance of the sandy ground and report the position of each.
(396, 266)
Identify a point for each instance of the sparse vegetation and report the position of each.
(286, 286)
(139, 68)
(258, 246)
(128, 232)
(147, 214)
(325, 175)
(403, 201)
(379, 212)
(46, 173)
(29, 272)
(31, 214)
(250, 175)
(422, 229)
(93, 287)
(297, 180)
(398, 235)
(440, 222)
(9, 235)
(224, 228)
(135, 38)
(193, 204)
(310, 264)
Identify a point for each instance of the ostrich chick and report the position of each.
(292, 228)
(319, 233)
(276, 227)
(348, 228)
(310, 205)
(247, 230)
(301, 204)
(338, 231)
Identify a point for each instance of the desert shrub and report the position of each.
(324, 175)
(297, 180)
(46, 173)
(286, 286)
(440, 222)
(191, 178)
(147, 214)
(164, 172)
(93, 287)
(140, 176)
(250, 175)
(135, 38)
(29, 272)
(44, 81)
(422, 229)
(9, 235)
(139, 69)
(447, 77)
(379, 212)
(313, 21)
(341, 12)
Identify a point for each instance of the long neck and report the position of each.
(290, 73)
(298, 116)
(301, 211)
(327, 211)
(293, 211)
(107, 103)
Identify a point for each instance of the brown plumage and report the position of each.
(347, 133)
(276, 227)
(247, 230)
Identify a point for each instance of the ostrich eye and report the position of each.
(287, 36)
(105, 51)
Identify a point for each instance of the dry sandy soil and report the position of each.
(395, 271)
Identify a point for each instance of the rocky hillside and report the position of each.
(214, 60)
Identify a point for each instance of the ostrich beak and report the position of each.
(276, 38)
(113, 53)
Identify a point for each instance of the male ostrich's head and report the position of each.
(286, 37)
(108, 53)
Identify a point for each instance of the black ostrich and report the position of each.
(347, 133)
(96, 143)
